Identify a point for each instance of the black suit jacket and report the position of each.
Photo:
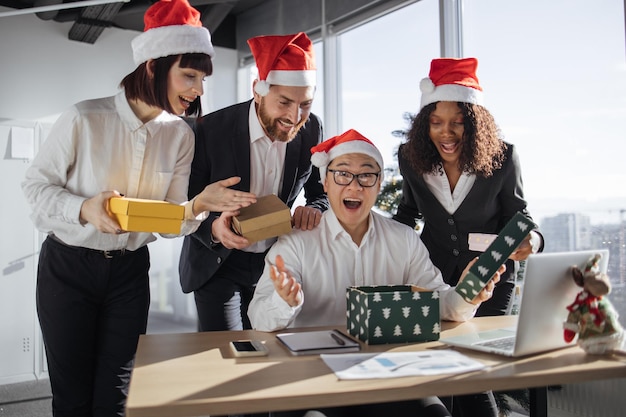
(223, 151)
(490, 204)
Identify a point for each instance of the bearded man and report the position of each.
(266, 142)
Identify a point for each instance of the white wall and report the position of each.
(42, 73)
(21, 353)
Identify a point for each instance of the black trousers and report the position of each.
(222, 303)
(92, 310)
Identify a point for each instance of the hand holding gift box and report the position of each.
(268, 217)
(142, 215)
(495, 256)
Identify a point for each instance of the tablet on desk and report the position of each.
(318, 342)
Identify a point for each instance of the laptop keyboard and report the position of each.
(505, 343)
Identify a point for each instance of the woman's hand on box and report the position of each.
(219, 197)
(95, 210)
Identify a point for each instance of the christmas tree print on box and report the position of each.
(393, 314)
(496, 254)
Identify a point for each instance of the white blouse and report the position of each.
(100, 145)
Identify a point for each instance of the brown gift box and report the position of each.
(268, 217)
(142, 215)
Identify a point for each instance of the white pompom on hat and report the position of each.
(171, 27)
(452, 79)
(287, 60)
(348, 142)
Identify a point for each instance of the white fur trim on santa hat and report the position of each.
(171, 40)
(304, 78)
(262, 88)
(449, 92)
(322, 159)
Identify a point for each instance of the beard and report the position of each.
(270, 125)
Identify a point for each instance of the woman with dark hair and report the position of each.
(460, 177)
(92, 282)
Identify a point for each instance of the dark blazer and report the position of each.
(223, 151)
(489, 205)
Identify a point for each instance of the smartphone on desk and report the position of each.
(244, 348)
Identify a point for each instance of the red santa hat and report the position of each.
(348, 142)
(287, 60)
(452, 79)
(172, 27)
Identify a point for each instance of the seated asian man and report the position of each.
(307, 272)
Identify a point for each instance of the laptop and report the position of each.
(548, 288)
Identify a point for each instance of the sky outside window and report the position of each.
(382, 63)
(554, 76)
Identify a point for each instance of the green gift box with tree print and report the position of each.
(393, 314)
(496, 254)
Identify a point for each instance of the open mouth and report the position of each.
(449, 147)
(285, 125)
(352, 203)
(186, 102)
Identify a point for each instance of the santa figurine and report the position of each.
(592, 315)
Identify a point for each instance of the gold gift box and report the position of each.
(268, 217)
(142, 215)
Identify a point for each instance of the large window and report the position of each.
(554, 75)
(382, 63)
(556, 83)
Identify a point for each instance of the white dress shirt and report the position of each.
(325, 261)
(100, 145)
(267, 162)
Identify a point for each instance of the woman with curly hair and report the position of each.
(460, 177)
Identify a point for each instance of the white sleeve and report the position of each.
(177, 191)
(46, 178)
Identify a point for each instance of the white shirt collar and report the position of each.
(438, 184)
(337, 229)
(256, 130)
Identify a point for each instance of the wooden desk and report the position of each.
(195, 374)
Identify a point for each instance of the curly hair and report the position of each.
(483, 147)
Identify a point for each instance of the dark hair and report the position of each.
(483, 147)
(153, 90)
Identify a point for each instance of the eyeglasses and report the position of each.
(365, 179)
